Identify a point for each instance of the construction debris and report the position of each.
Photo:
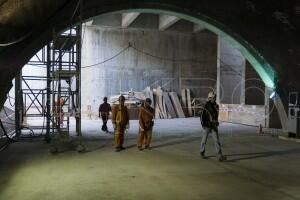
(166, 104)
(189, 102)
(177, 105)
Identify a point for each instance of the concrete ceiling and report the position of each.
(268, 29)
(146, 21)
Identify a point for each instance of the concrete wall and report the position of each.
(232, 70)
(244, 114)
(135, 70)
(254, 87)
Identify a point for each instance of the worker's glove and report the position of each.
(127, 127)
(142, 129)
(115, 126)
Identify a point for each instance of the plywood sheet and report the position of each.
(176, 104)
(170, 109)
(189, 102)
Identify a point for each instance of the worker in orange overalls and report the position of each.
(58, 111)
(61, 111)
(120, 121)
(146, 116)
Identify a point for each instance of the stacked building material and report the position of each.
(166, 104)
(186, 102)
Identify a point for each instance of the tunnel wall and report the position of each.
(135, 70)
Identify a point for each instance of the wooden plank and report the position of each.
(169, 105)
(166, 114)
(176, 104)
(159, 103)
(149, 94)
(157, 111)
(189, 102)
(183, 101)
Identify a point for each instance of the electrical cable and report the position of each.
(157, 57)
(7, 116)
(9, 97)
(5, 133)
(166, 59)
(102, 62)
(16, 41)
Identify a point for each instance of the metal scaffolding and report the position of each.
(58, 99)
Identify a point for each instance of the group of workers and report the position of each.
(120, 120)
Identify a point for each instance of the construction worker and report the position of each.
(58, 111)
(210, 123)
(104, 110)
(146, 115)
(61, 112)
(120, 121)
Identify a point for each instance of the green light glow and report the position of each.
(260, 65)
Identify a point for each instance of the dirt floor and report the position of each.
(258, 167)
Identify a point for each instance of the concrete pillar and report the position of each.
(243, 84)
(267, 106)
(219, 92)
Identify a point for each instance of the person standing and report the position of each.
(104, 110)
(146, 116)
(210, 123)
(120, 121)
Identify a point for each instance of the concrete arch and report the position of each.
(13, 57)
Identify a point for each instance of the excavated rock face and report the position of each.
(272, 28)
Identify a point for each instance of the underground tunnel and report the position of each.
(60, 59)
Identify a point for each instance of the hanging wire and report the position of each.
(164, 58)
(15, 41)
(5, 133)
(111, 58)
(9, 97)
(7, 116)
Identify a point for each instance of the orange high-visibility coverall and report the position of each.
(120, 120)
(146, 115)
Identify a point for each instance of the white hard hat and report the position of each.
(211, 94)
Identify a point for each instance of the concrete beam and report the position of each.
(198, 28)
(165, 21)
(88, 23)
(128, 18)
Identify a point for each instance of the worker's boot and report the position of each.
(122, 148)
(222, 158)
(118, 149)
(140, 148)
(202, 154)
(148, 147)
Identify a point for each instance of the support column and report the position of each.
(18, 103)
(78, 82)
(218, 90)
(267, 106)
(243, 83)
(48, 101)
